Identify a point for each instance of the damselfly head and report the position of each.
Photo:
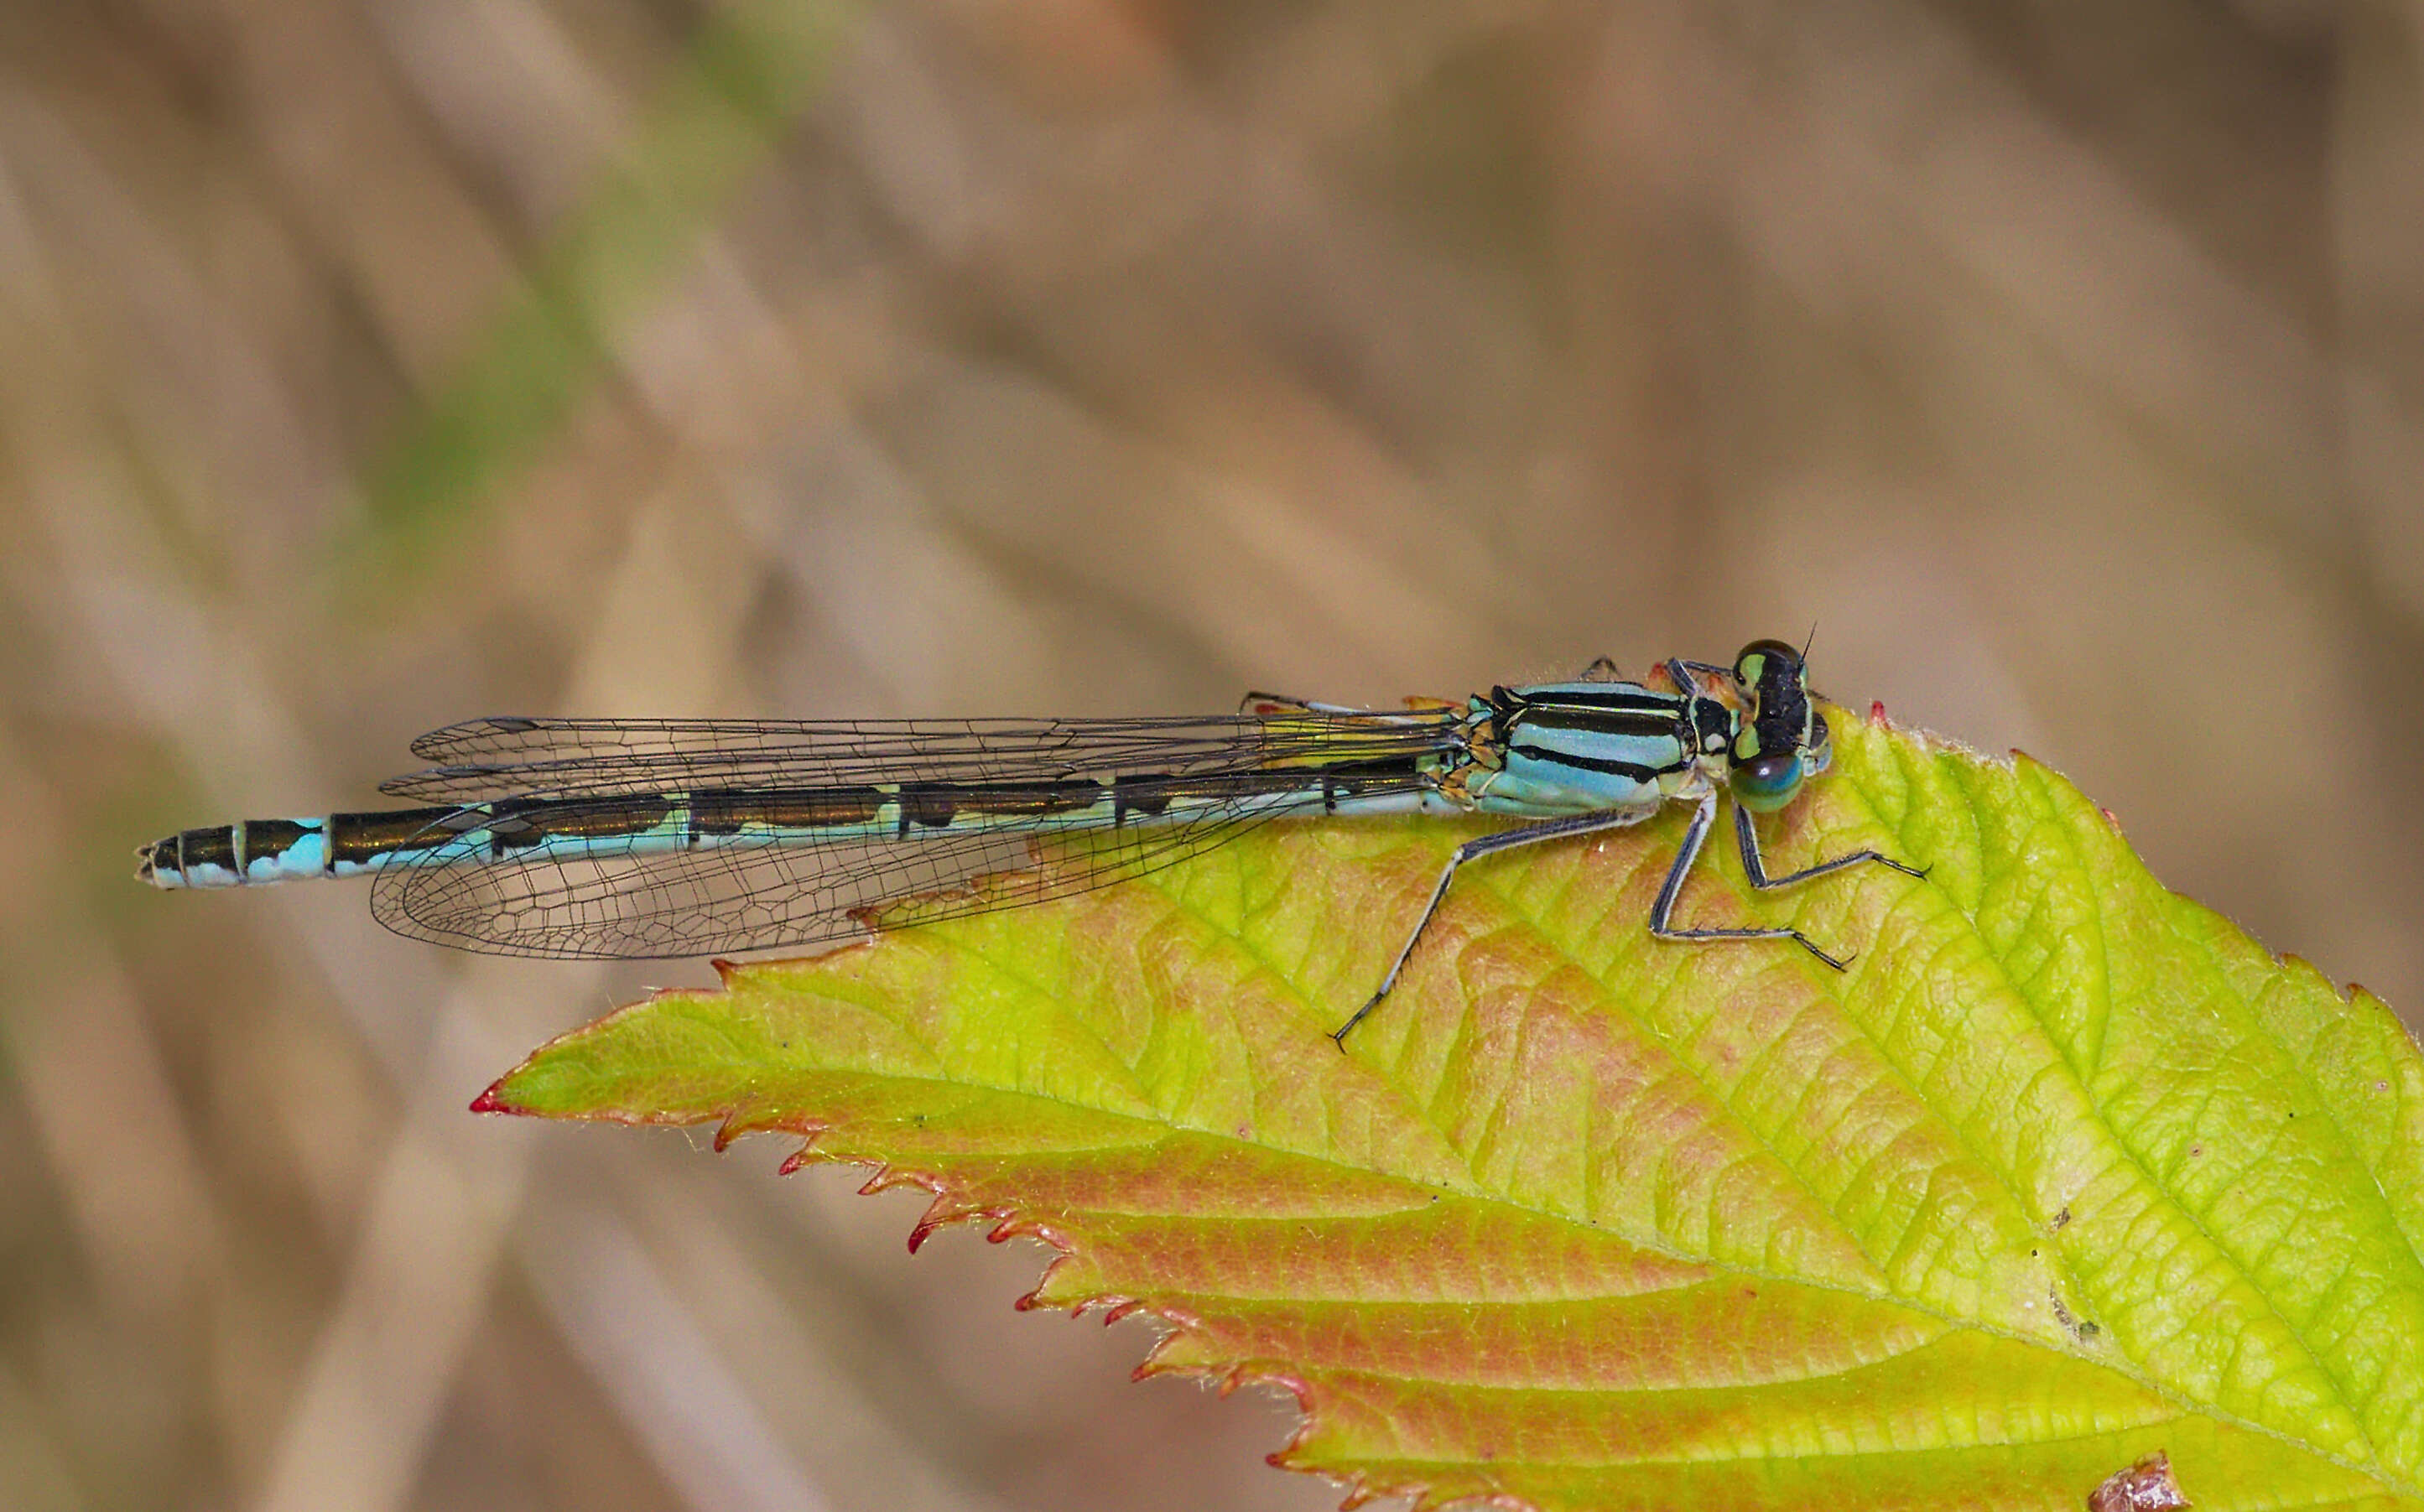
(1764, 664)
(1782, 741)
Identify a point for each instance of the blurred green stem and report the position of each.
(748, 71)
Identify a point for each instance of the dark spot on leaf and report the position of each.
(2147, 1486)
(2078, 1328)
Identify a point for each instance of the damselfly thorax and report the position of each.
(582, 838)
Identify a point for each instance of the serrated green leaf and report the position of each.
(2062, 1171)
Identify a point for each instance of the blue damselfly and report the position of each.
(692, 837)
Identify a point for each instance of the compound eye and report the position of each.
(1751, 662)
(1767, 783)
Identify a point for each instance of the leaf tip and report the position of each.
(493, 1099)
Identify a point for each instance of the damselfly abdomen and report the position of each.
(690, 838)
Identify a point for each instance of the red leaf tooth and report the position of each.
(1037, 1228)
(952, 1202)
(806, 1155)
(1034, 1301)
(935, 1221)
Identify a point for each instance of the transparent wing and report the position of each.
(494, 758)
(515, 741)
(762, 893)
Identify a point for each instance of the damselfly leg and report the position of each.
(1746, 837)
(1705, 669)
(1663, 910)
(1753, 868)
(1556, 829)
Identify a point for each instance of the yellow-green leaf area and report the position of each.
(2063, 1170)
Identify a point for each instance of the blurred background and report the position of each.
(366, 367)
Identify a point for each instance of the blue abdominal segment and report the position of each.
(557, 830)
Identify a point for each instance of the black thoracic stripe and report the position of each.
(1667, 725)
(727, 811)
(364, 837)
(264, 838)
(1639, 701)
(1633, 770)
(1616, 702)
(213, 847)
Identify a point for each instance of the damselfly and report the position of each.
(690, 838)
